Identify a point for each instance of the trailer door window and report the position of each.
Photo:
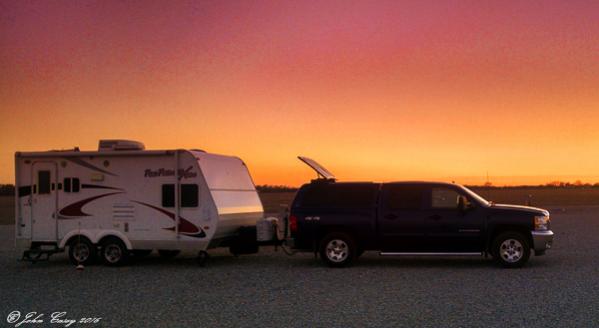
(43, 180)
(189, 195)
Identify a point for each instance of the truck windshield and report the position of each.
(476, 196)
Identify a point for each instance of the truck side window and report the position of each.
(67, 184)
(340, 196)
(188, 197)
(444, 198)
(405, 197)
(43, 180)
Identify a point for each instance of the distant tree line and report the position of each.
(275, 188)
(549, 185)
(7, 190)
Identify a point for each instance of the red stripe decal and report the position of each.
(76, 209)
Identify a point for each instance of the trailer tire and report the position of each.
(338, 249)
(114, 252)
(82, 251)
(168, 253)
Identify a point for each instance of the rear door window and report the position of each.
(404, 197)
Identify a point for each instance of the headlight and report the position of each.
(542, 222)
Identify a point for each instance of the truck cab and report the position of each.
(341, 220)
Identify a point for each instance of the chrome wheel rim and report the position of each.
(337, 250)
(511, 250)
(112, 253)
(81, 252)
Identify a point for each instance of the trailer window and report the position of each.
(188, 197)
(76, 185)
(168, 195)
(71, 184)
(43, 178)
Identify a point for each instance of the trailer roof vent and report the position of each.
(115, 144)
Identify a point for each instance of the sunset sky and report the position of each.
(374, 90)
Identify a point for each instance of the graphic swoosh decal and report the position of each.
(185, 227)
(91, 186)
(83, 163)
(76, 209)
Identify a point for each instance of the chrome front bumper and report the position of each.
(542, 240)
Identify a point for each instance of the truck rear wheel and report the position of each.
(511, 249)
(338, 249)
(82, 251)
(114, 252)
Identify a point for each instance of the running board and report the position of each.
(428, 254)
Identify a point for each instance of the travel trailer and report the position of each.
(123, 199)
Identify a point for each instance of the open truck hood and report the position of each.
(320, 170)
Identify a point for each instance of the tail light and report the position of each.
(292, 223)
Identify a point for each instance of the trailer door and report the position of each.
(44, 199)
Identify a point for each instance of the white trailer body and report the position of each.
(149, 199)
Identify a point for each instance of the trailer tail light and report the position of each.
(292, 223)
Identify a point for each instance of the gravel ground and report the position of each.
(271, 289)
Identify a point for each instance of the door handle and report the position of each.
(435, 217)
(391, 216)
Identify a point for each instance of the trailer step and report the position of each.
(38, 254)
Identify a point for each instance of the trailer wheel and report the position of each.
(168, 253)
(82, 251)
(338, 249)
(114, 252)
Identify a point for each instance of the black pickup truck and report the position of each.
(342, 220)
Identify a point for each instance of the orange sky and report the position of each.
(434, 90)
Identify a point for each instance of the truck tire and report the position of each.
(511, 249)
(168, 253)
(338, 249)
(114, 252)
(82, 251)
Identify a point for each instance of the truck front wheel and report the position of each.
(338, 249)
(511, 249)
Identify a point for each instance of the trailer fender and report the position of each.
(94, 236)
(85, 233)
(115, 233)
